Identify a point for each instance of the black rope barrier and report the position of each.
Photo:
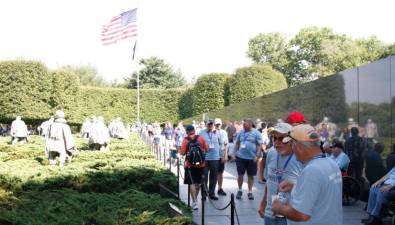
(204, 188)
(211, 202)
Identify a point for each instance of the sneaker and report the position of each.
(250, 196)
(221, 192)
(367, 220)
(213, 197)
(239, 194)
(195, 206)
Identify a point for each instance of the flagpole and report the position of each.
(138, 77)
(138, 96)
(138, 83)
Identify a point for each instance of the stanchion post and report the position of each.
(232, 209)
(170, 161)
(189, 195)
(164, 157)
(203, 200)
(178, 177)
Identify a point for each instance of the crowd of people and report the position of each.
(301, 165)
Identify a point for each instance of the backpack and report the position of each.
(195, 155)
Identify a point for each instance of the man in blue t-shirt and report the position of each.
(214, 140)
(247, 149)
(316, 198)
(340, 157)
(281, 164)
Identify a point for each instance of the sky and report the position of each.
(194, 36)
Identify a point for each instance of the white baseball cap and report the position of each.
(218, 121)
(282, 128)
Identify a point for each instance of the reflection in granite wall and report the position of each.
(361, 97)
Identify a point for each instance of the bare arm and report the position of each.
(379, 182)
(289, 212)
(262, 206)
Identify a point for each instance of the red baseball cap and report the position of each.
(295, 118)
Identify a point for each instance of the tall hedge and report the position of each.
(186, 104)
(155, 105)
(25, 87)
(254, 81)
(65, 91)
(209, 92)
(28, 89)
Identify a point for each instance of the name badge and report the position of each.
(243, 145)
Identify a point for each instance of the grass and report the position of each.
(117, 187)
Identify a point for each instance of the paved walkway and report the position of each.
(247, 209)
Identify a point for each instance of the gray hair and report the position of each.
(309, 144)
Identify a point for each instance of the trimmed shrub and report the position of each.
(254, 81)
(65, 91)
(25, 88)
(186, 104)
(209, 92)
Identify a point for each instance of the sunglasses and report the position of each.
(280, 139)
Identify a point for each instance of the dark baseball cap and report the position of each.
(337, 145)
(210, 121)
(190, 128)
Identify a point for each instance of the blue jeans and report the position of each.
(275, 221)
(377, 199)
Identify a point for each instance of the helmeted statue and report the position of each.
(100, 136)
(59, 141)
(85, 128)
(44, 127)
(18, 131)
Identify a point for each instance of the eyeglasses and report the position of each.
(280, 139)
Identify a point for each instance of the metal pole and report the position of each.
(203, 200)
(232, 209)
(138, 97)
(170, 161)
(189, 195)
(178, 177)
(164, 157)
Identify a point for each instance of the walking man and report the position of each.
(192, 147)
(223, 155)
(247, 150)
(214, 141)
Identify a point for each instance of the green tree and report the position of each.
(314, 52)
(372, 48)
(390, 50)
(269, 48)
(87, 75)
(156, 73)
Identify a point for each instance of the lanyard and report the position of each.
(210, 135)
(280, 175)
(244, 136)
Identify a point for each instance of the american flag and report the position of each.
(120, 27)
